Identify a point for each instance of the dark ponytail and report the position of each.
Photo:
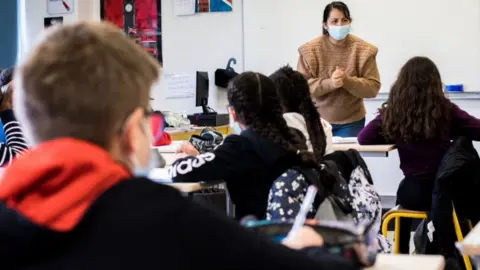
(294, 93)
(254, 98)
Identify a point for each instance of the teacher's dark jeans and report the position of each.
(413, 194)
(348, 130)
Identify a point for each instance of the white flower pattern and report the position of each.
(365, 201)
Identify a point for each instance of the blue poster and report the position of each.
(214, 5)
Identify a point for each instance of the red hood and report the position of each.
(55, 183)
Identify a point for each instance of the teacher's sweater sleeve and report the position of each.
(368, 85)
(318, 86)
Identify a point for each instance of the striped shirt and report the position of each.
(15, 143)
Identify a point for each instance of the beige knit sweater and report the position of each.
(318, 60)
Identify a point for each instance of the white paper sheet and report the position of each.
(183, 7)
(180, 86)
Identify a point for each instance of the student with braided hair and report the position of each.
(300, 113)
(263, 148)
(288, 190)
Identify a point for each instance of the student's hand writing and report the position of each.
(303, 238)
(188, 148)
(337, 77)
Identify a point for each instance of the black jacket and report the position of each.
(138, 224)
(247, 163)
(457, 181)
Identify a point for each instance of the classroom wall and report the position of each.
(32, 14)
(400, 30)
(203, 42)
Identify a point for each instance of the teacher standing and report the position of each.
(341, 70)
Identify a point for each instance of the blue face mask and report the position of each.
(236, 129)
(140, 171)
(339, 32)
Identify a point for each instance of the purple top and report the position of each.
(421, 159)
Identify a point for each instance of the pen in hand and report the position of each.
(304, 208)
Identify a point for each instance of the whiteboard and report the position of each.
(447, 31)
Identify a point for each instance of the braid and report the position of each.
(314, 127)
(294, 92)
(254, 99)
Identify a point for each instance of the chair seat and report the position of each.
(400, 209)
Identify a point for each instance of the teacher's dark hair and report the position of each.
(254, 98)
(294, 93)
(417, 108)
(335, 5)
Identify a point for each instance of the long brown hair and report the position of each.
(417, 108)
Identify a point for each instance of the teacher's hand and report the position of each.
(337, 77)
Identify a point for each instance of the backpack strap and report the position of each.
(357, 161)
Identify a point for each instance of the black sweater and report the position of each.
(138, 224)
(247, 163)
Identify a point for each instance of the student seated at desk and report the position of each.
(300, 112)
(263, 148)
(78, 199)
(288, 190)
(421, 121)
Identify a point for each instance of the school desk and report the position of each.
(161, 175)
(183, 134)
(408, 262)
(366, 150)
(471, 245)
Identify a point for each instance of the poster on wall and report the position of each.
(140, 19)
(214, 5)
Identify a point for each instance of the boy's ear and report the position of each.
(131, 128)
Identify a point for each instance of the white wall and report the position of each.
(32, 13)
(203, 42)
(400, 29)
